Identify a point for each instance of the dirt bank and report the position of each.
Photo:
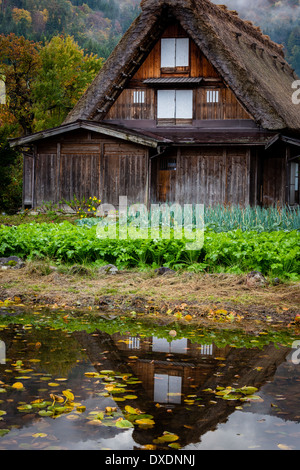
(218, 297)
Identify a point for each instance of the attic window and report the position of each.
(212, 96)
(174, 52)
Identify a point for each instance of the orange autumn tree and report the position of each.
(19, 64)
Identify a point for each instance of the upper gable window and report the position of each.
(174, 52)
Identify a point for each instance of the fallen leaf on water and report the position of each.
(69, 395)
(166, 437)
(284, 447)
(123, 423)
(145, 421)
(18, 385)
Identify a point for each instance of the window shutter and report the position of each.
(165, 104)
(168, 52)
(182, 52)
(184, 104)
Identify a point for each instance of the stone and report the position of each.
(13, 262)
(163, 270)
(108, 269)
(256, 279)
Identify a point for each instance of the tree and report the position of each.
(64, 75)
(10, 172)
(19, 64)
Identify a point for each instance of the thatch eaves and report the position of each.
(250, 63)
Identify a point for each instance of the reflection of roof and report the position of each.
(251, 64)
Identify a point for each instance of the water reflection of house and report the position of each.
(169, 369)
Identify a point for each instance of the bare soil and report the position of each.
(201, 296)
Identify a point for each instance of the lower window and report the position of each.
(175, 104)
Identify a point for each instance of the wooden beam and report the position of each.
(272, 141)
(118, 133)
(290, 140)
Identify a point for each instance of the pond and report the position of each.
(126, 384)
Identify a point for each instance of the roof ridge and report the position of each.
(222, 9)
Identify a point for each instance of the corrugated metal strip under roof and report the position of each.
(173, 80)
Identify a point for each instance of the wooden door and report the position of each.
(166, 180)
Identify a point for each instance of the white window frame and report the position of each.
(174, 104)
(212, 96)
(175, 52)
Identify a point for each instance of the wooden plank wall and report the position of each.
(85, 165)
(227, 108)
(273, 180)
(207, 176)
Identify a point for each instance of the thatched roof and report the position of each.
(251, 64)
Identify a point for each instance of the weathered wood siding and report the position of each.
(86, 164)
(228, 106)
(273, 180)
(125, 173)
(28, 172)
(204, 175)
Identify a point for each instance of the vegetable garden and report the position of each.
(235, 240)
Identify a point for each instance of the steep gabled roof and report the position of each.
(251, 64)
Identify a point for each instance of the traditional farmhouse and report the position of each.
(194, 105)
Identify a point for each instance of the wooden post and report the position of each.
(287, 175)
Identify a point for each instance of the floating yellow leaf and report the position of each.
(110, 409)
(69, 395)
(166, 437)
(39, 434)
(145, 421)
(18, 385)
(56, 398)
(81, 408)
(133, 411)
(188, 317)
(92, 374)
(53, 384)
(284, 447)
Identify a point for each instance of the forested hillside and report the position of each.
(97, 25)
